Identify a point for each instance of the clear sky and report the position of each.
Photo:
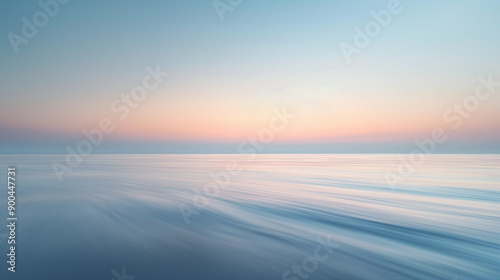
(226, 78)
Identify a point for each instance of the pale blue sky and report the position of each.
(64, 79)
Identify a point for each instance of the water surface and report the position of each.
(122, 211)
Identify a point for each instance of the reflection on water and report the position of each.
(118, 211)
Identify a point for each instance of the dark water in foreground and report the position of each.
(122, 211)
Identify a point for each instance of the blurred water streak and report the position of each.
(119, 211)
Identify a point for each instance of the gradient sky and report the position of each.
(227, 77)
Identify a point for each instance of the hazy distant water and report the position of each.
(119, 211)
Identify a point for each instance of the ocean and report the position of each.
(290, 217)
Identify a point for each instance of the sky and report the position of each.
(234, 72)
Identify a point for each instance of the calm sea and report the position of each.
(281, 217)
